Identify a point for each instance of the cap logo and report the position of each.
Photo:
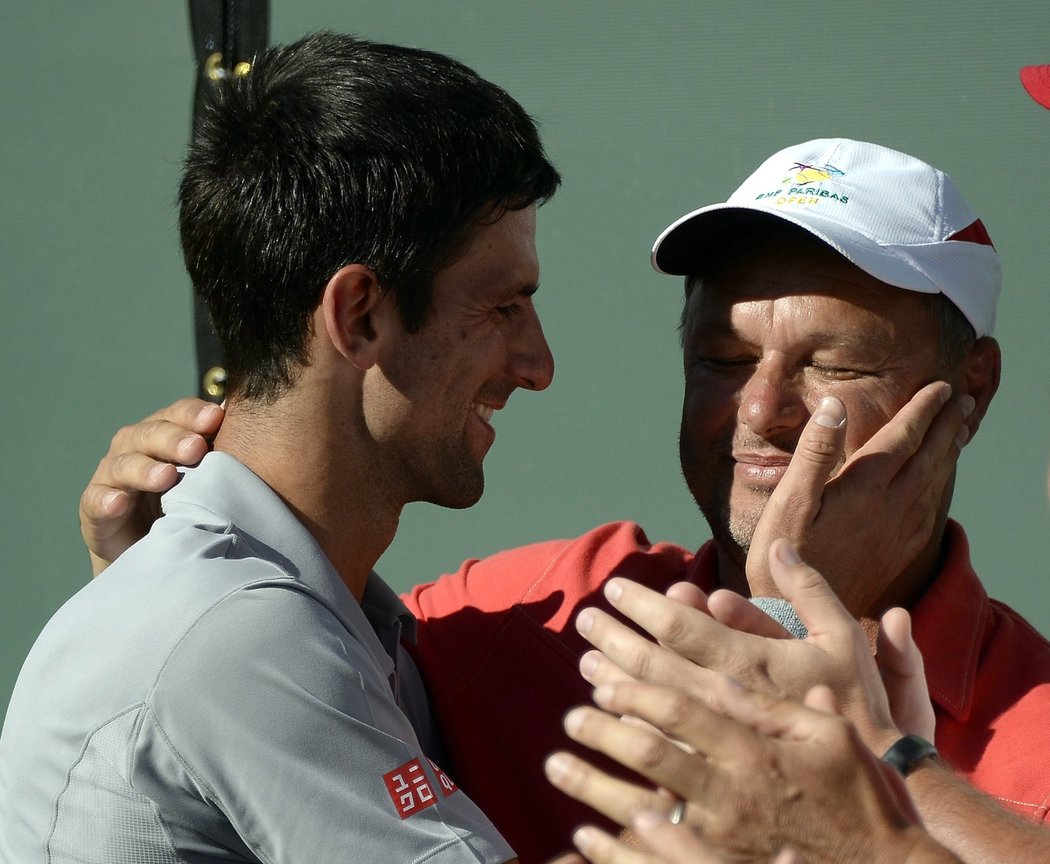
(804, 173)
(805, 186)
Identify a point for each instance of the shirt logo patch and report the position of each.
(409, 789)
(444, 781)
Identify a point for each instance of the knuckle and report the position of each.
(640, 662)
(669, 627)
(649, 751)
(676, 709)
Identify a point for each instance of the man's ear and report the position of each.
(348, 308)
(983, 367)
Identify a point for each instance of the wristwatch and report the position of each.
(907, 752)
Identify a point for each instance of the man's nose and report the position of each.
(771, 401)
(531, 360)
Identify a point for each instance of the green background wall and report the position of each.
(649, 109)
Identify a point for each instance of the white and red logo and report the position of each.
(444, 781)
(409, 788)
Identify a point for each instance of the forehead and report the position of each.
(795, 274)
(499, 258)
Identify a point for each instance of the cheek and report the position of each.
(864, 418)
(708, 411)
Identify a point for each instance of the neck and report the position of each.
(863, 584)
(310, 460)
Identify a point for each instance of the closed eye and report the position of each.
(510, 310)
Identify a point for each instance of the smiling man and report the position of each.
(360, 219)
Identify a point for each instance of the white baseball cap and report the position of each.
(895, 217)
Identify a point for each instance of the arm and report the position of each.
(122, 499)
(760, 777)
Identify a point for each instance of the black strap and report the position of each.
(907, 752)
(226, 35)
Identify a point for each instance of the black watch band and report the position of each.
(907, 752)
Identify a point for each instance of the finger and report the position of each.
(796, 502)
(161, 440)
(617, 799)
(135, 471)
(195, 415)
(770, 716)
(901, 667)
(639, 657)
(897, 652)
(638, 746)
(601, 847)
(809, 593)
(688, 594)
(686, 631)
(934, 460)
(677, 844)
(741, 614)
(598, 669)
(100, 503)
(900, 438)
(818, 452)
(658, 756)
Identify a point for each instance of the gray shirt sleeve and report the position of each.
(270, 722)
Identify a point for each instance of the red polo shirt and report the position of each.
(499, 654)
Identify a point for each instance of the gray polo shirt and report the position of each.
(218, 695)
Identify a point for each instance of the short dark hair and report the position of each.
(336, 150)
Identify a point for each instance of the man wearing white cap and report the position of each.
(793, 294)
(838, 282)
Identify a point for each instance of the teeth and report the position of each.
(485, 412)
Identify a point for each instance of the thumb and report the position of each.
(819, 450)
(903, 676)
(796, 501)
(814, 600)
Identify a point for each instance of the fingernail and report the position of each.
(962, 436)
(110, 498)
(588, 662)
(830, 413)
(585, 621)
(185, 444)
(613, 590)
(157, 472)
(945, 392)
(603, 694)
(788, 554)
(557, 767)
(573, 721)
(583, 839)
(968, 404)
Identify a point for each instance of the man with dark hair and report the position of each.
(360, 219)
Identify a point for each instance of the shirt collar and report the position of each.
(949, 626)
(224, 495)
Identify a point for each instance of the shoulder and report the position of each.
(569, 567)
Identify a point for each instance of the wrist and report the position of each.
(908, 752)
